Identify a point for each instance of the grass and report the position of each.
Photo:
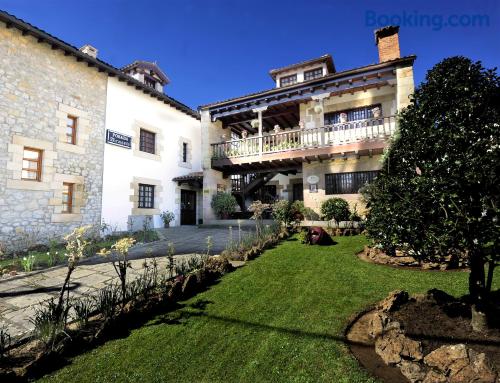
(278, 319)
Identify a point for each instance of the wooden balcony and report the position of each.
(305, 144)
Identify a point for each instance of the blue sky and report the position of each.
(217, 49)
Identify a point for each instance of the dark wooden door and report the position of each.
(298, 192)
(188, 207)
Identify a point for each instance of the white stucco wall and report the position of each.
(126, 110)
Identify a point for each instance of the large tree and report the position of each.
(438, 192)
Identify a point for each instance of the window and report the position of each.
(32, 164)
(146, 196)
(71, 122)
(67, 197)
(150, 82)
(348, 183)
(288, 80)
(184, 152)
(362, 113)
(147, 141)
(313, 73)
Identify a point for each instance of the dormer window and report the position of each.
(288, 80)
(313, 73)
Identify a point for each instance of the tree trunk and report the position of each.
(489, 279)
(476, 277)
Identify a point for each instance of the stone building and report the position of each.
(53, 119)
(317, 134)
(52, 113)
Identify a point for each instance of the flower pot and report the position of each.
(376, 112)
(166, 225)
(343, 118)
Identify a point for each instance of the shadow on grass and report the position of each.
(186, 312)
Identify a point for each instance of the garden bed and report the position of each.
(401, 260)
(427, 338)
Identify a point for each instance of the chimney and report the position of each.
(89, 50)
(387, 41)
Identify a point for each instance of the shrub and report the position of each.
(438, 191)
(283, 212)
(167, 217)
(223, 204)
(336, 209)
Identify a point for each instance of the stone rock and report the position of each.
(395, 300)
(380, 323)
(190, 285)
(393, 346)
(434, 377)
(413, 371)
(478, 370)
(448, 359)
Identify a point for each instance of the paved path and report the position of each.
(19, 295)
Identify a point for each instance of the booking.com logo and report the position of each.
(434, 21)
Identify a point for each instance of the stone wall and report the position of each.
(349, 164)
(39, 88)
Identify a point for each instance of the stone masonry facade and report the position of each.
(40, 88)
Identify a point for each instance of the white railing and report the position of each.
(297, 139)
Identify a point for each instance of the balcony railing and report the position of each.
(299, 139)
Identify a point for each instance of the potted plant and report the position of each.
(223, 204)
(343, 118)
(376, 112)
(255, 123)
(167, 217)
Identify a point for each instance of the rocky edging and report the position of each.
(454, 363)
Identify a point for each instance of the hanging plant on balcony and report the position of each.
(376, 112)
(276, 129)
(318, 109)
(343, 118)
(255, 123)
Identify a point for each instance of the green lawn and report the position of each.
(278, 319)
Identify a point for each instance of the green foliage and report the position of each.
(306, 212)
(28, 262)
(83, 308)
(49, 321)
(283, 212)
(107, 299)
(439, 191)
(336, 209)
(167, 217)
(223, 204)
(303, 236)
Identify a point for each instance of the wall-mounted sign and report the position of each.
(118, 139)
(312, 179)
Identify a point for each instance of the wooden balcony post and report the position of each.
(259, 117)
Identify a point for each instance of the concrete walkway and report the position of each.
(20, 294)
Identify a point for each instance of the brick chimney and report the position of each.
(89, 50)
(387, 41)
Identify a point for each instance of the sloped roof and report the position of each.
(327, 59)
(407, 60)
(68, 49)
